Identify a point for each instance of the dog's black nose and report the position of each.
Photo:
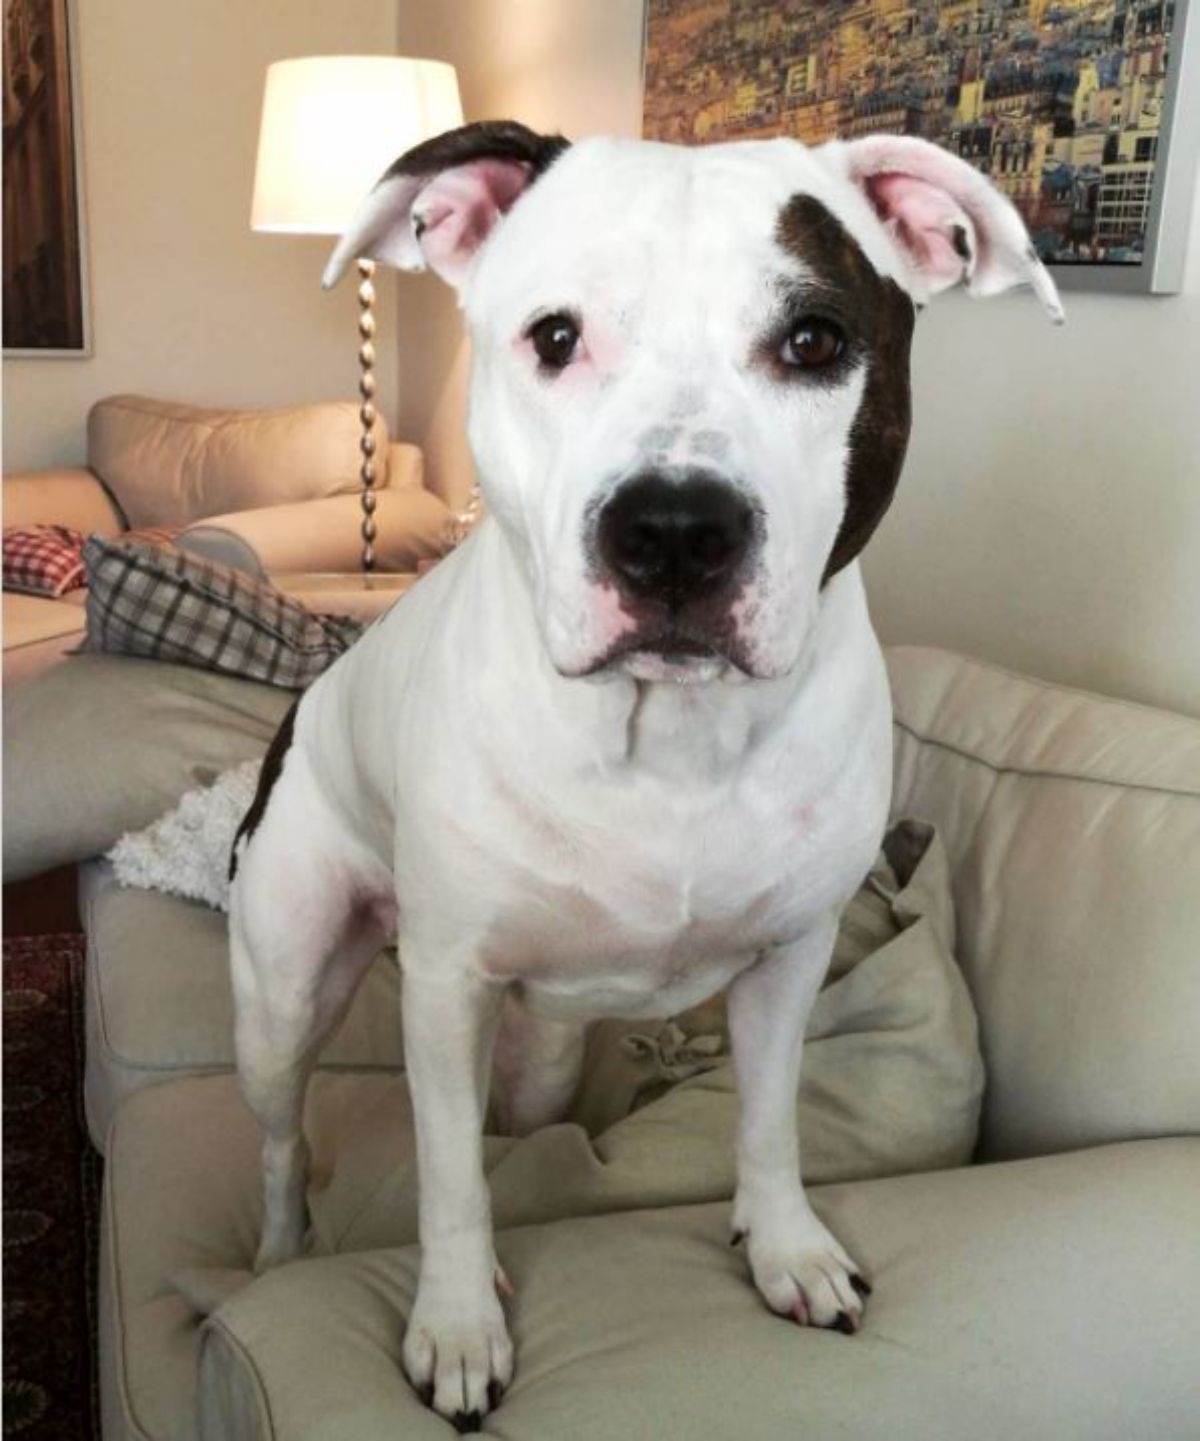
(671, 540)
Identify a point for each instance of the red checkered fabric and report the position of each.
(43, 559)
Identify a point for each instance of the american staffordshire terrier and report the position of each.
(630, 743)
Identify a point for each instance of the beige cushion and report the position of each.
(159, 1004)
(1039, 1298)
(324, 535)
(168, 464)
(1073, 828)
(990, 1320)
(71, 497)
(39, 631)
(101, 745)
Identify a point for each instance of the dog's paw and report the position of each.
(457, 1354)
(800, 1269)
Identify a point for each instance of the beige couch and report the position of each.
(1045, 1292)
(272, 492)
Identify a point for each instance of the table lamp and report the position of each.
(331, 125)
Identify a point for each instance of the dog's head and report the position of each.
(690, 395)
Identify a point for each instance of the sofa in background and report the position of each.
(1044, 1291)
(272, 492)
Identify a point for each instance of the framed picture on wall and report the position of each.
(1086, 113)
(45, 274)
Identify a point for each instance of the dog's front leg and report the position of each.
(798, 1266)
(456, 1348)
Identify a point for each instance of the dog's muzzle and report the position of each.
(675, 548)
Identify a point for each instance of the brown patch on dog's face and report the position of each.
(482, 140)
(878, 318)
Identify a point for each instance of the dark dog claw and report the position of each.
(466, 1422)
(425, 1394)
(843, 1324)
(494, 1393)
(737, 1238)
(861, 1286)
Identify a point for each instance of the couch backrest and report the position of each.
(170, 464)
(1073, 829)
(60, 497)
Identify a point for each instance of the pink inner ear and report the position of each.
(933, 228)
(457, 211)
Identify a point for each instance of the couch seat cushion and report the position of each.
(1036, 1298)
(1033, 1299)
(159, 1004)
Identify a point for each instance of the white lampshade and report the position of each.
(332, 124)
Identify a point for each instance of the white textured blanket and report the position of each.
(186, 852)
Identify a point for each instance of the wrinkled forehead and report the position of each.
(627, 219)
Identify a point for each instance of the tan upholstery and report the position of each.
(643, 1325)
(324, 535)
(60, 497)
(39, 631)
(159, 1004)
(993, 1314)
(1073, 826)
(169, 464)
(105, 744)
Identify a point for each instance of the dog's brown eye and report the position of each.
(812, 344)
(555, 338)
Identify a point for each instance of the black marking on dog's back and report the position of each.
(482, 140)
(271, 767)
(881, 315)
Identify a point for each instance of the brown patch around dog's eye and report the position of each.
(880, 315)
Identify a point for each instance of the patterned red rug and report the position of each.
(51, 1197)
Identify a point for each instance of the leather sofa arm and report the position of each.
(323, 535)
(67, 496)
(405, 466)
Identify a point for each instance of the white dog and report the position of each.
(630, 744)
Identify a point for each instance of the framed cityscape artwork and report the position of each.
(1086, 113)
(45, 279)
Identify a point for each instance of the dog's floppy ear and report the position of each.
(948, 220)
(437, 204)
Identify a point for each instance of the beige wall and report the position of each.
(187, 302)
(1049, 516)
(567, 65)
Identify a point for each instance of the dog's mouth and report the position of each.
(671, 655)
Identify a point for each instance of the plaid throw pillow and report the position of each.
(43, 559)
(147, 600)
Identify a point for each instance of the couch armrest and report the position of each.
(66, 496)
(323, 535)
(405, 466)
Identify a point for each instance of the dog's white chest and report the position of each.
(644, 902)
